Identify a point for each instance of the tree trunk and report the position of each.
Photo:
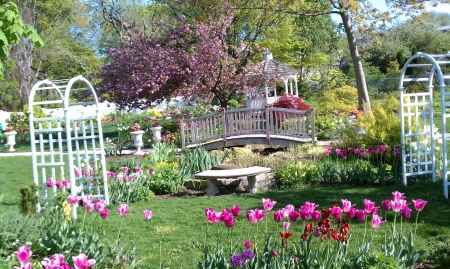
(363, 95)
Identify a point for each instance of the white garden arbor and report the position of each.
(272, 68)
(69, 145)
(419, 137)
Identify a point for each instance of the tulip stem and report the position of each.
(415, 229)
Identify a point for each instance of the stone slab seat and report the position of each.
(211, 177)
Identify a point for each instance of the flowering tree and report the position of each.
(188, 59)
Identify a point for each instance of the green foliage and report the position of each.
(330, 79)
(360, 172)
(382, 123)
(29, 199)
(198, 160)
(120, 257)
(166, 179)
(295, 175)
(62, 236)
(328, 126)
(162, 152)
(12, 29)
(233, 103)
(440, 253)
(131, 163)
(170, 126)
(126, 189)
(16, 230)
(343, 99)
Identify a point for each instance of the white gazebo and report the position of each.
(273, 69)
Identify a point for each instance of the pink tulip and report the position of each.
(368, 206)
(308, 207)
(247, 244)
(360, 214)
(125, 169)
(148, 214)
(351, 214)
(81, 261)
(86, 198)
(235, 210)
(138, 170)
(23, 254)
(376, 221)
(99, 205)
(286, 225)
(375, 210)
(104, 214)
(397, 205)
(66, 183)
(268, 204)
(90, 206)
(398, 195)
(151, 171)
(346, 205)
(260, 214)
(73, 200)
(304, 215)
(57, 261)
(210, 214)
(123, 209)
(27, 265)
(59, 185)
(419, 204)
(251, 216)
(387, 204)
(336, 211)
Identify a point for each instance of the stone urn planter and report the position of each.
(156, 131)
(137, 141)
(11, 139)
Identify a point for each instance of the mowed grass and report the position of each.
(178, 229)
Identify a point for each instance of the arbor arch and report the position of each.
(420, 140)
(67, 143)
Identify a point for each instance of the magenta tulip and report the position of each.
(247, 244)
(351, 214)
(66, 183)
(419, 204)
(23, 254)
(405, 212)
(360, 214)
(229, 221)
(336, 211)
(294, 216)
(99, 205)
(251, 216)
(387, 204)
(59, 185)
(81, 261)
(123, 209)
(368, 206)
(49, 182)
(260, 214)
(286, 225)
(278, 215)
(104, 214)
(315, 215)
(148, 214)
(235, 210)
(73, 200)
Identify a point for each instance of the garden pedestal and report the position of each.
(137, 141)
(156, 131)
(11, 140)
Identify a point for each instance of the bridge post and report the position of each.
(268, 122)
(313, 126)
(224, 127)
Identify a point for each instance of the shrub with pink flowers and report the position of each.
(327, 234)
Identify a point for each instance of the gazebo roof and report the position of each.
(273, 67)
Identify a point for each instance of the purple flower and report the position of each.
(419, 204)
(237, 260)
(405, 212)
(235, 210)
(387, 204)
(247, 254)
(360, 215)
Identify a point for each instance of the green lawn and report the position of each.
(179, 224)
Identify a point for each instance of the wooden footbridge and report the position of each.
(237, 127)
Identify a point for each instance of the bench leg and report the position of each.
(251, 187)
(211, 183)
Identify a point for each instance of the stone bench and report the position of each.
(211, 177)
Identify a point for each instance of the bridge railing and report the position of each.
(248, 121)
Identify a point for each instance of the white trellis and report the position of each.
(417, 117)
(69, 145)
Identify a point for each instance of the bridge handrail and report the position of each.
(248, 121)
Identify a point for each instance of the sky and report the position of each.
(380, 4)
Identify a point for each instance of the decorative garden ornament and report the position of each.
(156, 131)
(137, 141)
(11, 139)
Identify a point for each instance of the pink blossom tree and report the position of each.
(187, 59)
